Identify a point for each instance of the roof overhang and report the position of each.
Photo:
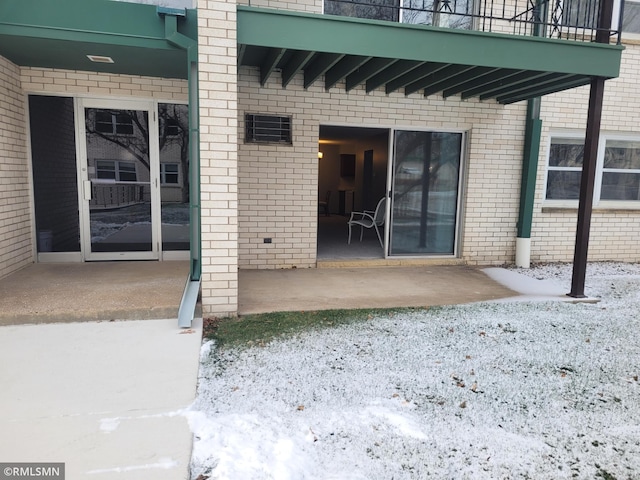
(416, 58)
(61, 34)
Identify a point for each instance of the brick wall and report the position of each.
(218, 152)
(48, 80)
(614, 232)
(16, 248)
(278, 184)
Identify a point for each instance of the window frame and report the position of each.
(114, 124)
(117, 170)
(600, 171)
(164, 173)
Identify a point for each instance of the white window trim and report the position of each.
(597, 203)
(163, 174)
(116, 165)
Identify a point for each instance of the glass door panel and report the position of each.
(174, 175)
(426, 176)
(120, 182)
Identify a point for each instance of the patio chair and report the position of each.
(369, 219)
(324, 204)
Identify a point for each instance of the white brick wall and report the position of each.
(16, 248)
(614, 233)
(69, 82)
(278, 184)
(218, 152)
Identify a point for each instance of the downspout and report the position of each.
(186, 312)
(532, 133)
(533, 128)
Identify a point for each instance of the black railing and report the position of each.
(568, 19)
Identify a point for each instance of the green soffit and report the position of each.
(506, 67)
(61, 33)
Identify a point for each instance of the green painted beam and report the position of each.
(455, 80)
(294, 66)
(413, 75)
(350, 36)
(319, 65)
(368, 70)
(391, 73)
(501, 83)
(527, 86)
(572, 82)
(437, 78)
(342, 69)
(270, 63)
(490, 77)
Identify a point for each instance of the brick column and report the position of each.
(217, 50)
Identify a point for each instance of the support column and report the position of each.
(218, 92)
(587, 180)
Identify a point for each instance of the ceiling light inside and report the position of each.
(100, 59)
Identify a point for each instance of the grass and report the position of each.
(262, 328)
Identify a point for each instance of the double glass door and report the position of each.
(133, 175)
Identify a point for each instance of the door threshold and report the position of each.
(387, 262)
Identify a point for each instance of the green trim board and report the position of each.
(61, 34)
(401, 51)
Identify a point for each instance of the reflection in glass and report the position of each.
(425, 192)
(174, 175)
(439, 13)
(119, 172)
(371, 9)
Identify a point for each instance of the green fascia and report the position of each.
(134, 20)
(352, 36)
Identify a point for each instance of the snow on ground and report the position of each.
(527, 390)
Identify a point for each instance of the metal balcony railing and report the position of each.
(567, 19)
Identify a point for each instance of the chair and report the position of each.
(369, 219)
(324, 204)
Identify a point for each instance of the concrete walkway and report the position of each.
(105, 398)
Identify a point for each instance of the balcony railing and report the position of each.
(567, 19)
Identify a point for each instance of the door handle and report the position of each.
(87, 190)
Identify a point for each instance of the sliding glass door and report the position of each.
(425, 191)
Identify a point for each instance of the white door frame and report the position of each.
(84, 184)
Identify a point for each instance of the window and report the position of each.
(114, 123)
(267, 129)
(617, 174)
(621, 171)
(116, 170)
(169, 173)
(442, 13)
(565, 167)
(631, 17)
(372, 9)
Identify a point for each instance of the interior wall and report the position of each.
(329, 178)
